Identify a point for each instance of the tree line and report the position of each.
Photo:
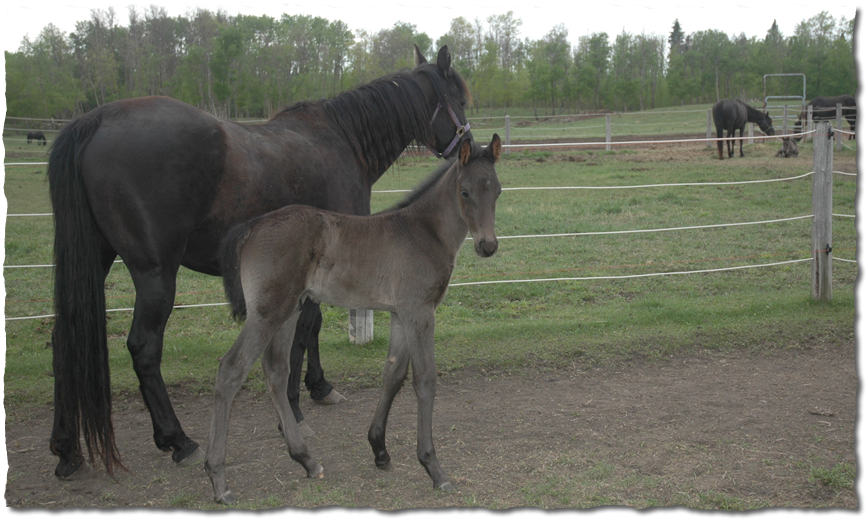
(250, 66)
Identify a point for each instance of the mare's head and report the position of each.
(478, 188)
(447, 95)
(766, 124)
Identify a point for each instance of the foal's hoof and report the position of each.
(306, 430)
(331, 398)
(227, 498)
(315, 471)
(446, 487)
(195, 458)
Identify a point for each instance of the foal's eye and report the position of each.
(465, 193)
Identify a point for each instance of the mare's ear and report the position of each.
(465, 151)
(419, 58)
(443, 61)
(495, 147)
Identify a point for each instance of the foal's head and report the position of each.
(479, 188)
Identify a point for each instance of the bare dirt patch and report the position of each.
(716, 430)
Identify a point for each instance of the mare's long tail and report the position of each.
(82, 388)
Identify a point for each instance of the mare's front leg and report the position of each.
(234, 367)
(741, 142)
(393, 376)
(155, 291)
(306, 339)
(275, 364)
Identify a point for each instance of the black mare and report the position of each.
(731, 115)
(158, 182)
(824, 109)
(38, 137)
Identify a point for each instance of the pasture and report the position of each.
(718, 390)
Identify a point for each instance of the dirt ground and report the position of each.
(730, 431)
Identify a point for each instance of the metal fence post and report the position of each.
(507, 134)
(838, 126)
(607, 131)
(822, 209)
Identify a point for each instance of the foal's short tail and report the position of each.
(230, 262)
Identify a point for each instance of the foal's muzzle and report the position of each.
(486, 248)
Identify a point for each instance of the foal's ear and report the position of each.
(443, 61)
(495, 147)
(465, 151)
(419, 58)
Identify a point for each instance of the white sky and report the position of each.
(753, 17)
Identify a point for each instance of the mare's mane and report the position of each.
(377, 117)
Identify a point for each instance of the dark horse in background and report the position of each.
(731, 115)
(37, 136)
(159, 182)
(824, 109)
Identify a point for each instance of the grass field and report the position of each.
(515, 326)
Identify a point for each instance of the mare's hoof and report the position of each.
(193, 459)
(227, 498)
(306, 431)
(74, 471)
(387, 467)
(446, 487)
(331, 398)
(186, 449)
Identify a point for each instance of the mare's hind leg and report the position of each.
(234, 367)
(275, 363)
(393, 375)
(741, 142)
(155, 291)
(64, 441)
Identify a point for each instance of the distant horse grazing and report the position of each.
(159, 182)
(731, 115)
(37, 136)
(824, 109)
(399, 260)
(789, 148)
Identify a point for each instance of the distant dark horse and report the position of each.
(731, 115)
(158, 182)
(36, 136)
(824, 109)
(399, 260)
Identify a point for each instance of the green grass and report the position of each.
(841, 475)
(509, 328)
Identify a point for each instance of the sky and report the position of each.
(753, 18)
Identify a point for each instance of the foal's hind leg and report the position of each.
(234, 367)
(275, 363)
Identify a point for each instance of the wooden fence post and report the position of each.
(360, 326)
(822, 209)
(709, 127)
(785, 120)
(751, 133)
(811, 123)
(607, 131)
(507, 134)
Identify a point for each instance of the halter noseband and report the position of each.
(458, 134)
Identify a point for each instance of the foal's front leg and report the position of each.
(393, 375)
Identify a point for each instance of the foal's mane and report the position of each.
(425, 186)
(377, 117)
